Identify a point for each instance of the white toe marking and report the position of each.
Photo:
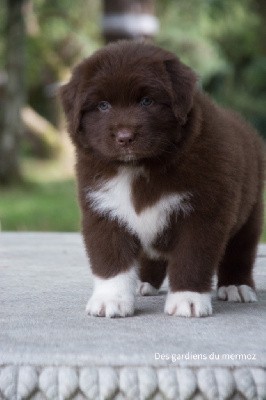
(242, 293)
(113, 297)
(146, 289)
(247, 293)
(116, 307)
(229, 293)
(188, 304)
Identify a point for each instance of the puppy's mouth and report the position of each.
(127, 155)
(133, 156)
(128, 158)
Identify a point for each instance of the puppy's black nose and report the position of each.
(124, 137)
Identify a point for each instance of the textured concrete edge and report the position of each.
(25, 381)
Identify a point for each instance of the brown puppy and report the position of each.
(168, 182)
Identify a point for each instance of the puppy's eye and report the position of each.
(104, 106)
(146, 101)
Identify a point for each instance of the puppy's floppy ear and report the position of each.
(183, 81)
(70, 98)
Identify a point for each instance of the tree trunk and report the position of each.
(129, 19)
(11, 129)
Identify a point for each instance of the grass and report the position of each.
(263, 235)
(45, 206)
(46, 202)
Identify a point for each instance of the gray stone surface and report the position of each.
(44, 286)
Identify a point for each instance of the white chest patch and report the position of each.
(113, 199)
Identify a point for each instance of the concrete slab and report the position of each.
(49, 347)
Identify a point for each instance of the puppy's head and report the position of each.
(128, 102)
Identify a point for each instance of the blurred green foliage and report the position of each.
(59, 34)
(223, 40)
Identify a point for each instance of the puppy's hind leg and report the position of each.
(235, 281)
(152, 274)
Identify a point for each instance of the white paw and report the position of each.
(242, 293)
(146, 289)
(108, 306)
(188, 304)
(113, 297)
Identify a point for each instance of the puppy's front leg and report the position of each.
(191, 267)
(112, 252)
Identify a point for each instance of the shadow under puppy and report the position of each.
(168, 181)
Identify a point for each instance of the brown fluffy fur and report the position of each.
(186, 143)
